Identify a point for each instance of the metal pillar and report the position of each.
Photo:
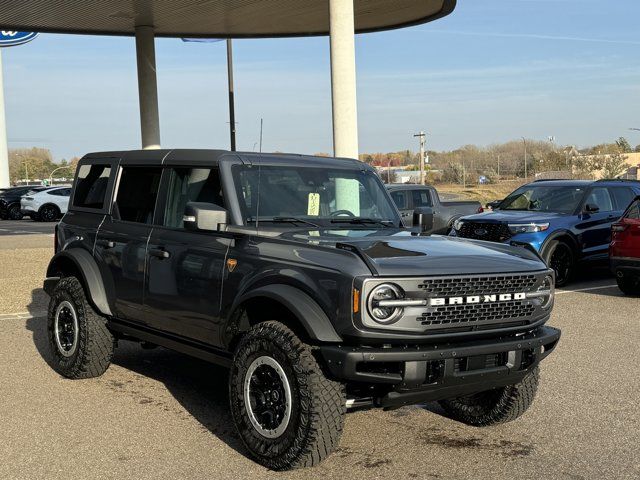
(4, 153)
(232, 108)
(343, 78)
(147, 87)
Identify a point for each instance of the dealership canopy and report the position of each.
(146, 19)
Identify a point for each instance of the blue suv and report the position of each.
(565, 221)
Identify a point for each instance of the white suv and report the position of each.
(47, 205)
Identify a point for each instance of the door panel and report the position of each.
(184, 285)
(120, 251)
(595, 228)
(185, 267)
(122, 240)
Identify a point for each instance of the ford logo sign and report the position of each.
(10, 38)
(481, 232)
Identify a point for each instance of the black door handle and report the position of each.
(159, 253)
(106, 243)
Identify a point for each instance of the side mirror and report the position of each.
(204, 216)
(591, 208)
(423, 217)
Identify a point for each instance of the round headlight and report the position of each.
(384, 314)
(548, 288)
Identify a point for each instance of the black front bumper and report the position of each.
(435, 372)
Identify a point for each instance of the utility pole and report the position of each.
(525, 157)
(422, 136)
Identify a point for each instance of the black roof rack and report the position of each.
(617, 180)
(553, 180)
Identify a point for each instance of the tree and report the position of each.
(623, 145)
(614, 165)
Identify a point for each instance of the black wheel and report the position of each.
(14, 213)
(48, 213)
(287, 412)
(558, 255)
(80, 342)
(628, 284)
(494, 406)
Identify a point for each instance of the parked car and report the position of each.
(564, 221)
(297, 273)
(624, 252)
(47, 205)
(10, 200)
(420, 198)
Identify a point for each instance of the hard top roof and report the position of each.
(213, 157)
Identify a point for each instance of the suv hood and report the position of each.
(399, 252)
(514, 216)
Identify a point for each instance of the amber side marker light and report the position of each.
(356, 300)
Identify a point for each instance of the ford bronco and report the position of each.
(296, 273)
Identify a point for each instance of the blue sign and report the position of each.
(11, 38)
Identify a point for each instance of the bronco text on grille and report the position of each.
(476, 303)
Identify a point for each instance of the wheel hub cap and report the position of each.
(267, 396)
(66, 329)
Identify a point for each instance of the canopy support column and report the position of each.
(4, 154)
(147, 88)
(343, 78)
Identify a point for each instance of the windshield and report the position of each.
(562, 199)
(311, 195)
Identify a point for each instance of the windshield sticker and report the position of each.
(313, 204)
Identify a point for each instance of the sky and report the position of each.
(492, 71)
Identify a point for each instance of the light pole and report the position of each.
(525, 157)
(421, 136)
(54, 171)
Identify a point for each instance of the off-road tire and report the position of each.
(629, 285)
(48, 213)
(95, 343)
(318, 404)
(499, 405)
(552, 249)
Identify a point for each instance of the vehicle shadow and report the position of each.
(199, 387)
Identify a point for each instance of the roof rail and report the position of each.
(552, 180)
(617, 180)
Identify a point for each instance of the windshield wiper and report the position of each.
(362, 221)
(286, 220)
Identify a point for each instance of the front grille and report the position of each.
(452, 315)
(493, 232)
(444, 287)
(465, 303)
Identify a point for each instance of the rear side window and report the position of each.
(91, 186)
(622, 197)
(421, 198)
(634, 211)
(137, 193)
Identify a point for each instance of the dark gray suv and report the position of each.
(297, 274)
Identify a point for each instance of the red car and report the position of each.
(624, 251)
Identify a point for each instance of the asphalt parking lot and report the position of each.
(159, 414)
(25, 226)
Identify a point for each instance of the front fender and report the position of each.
(82, 263)
(311, 317)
